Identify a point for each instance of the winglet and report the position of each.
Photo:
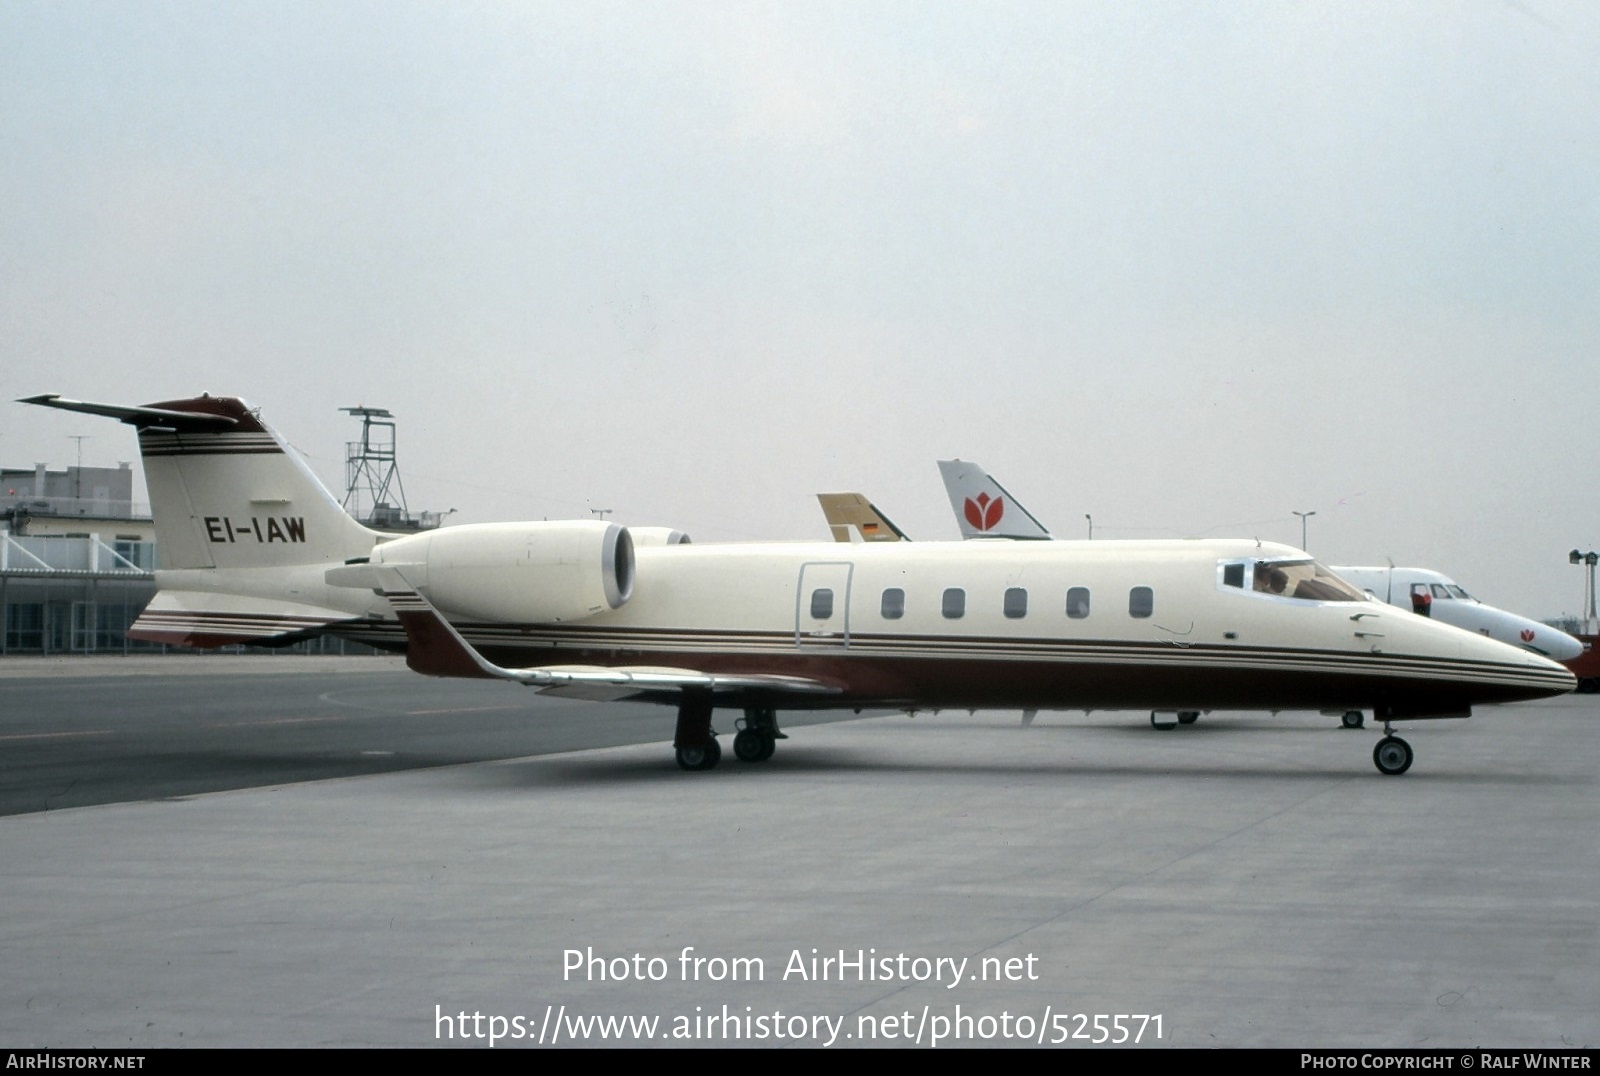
(433, 646)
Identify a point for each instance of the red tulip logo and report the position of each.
(1527, 635)
(983, 513)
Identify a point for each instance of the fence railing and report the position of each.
(45, 553)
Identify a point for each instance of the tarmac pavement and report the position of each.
(1249, 881)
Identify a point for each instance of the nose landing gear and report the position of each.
(1392, 755)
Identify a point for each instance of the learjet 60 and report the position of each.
(253, 549)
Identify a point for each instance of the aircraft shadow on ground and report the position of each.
(795, 761)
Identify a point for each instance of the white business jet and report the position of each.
(255, 550)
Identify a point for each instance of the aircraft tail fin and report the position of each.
(226, 491)
(244, 530)
(982, 506)
(847, 510)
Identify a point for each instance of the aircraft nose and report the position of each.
(1555, 685)
(1557, 645)
(1521, 667)
(1548, 642)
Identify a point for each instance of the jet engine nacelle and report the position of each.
(518, 572)
(649, 537)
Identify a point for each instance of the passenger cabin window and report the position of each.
(954, 605)
(821, 604)
(1141, 601)
(1078, 603)
(1016, 603)
(894, 603)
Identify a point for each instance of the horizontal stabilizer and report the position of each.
(207, 620)
(146, 418)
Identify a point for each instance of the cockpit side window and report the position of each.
(1463, 595)
(1303, 579)
(1270, 579)
(1439, 591)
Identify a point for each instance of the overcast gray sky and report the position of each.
(1185, 267)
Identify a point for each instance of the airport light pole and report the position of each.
(1303, 517)
(1090, 518)
(1590, 558)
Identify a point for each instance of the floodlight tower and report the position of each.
(371, 472)
(1590, 559)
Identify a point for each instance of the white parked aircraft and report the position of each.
(1430, 594)
(253, 549)
(1418, 589)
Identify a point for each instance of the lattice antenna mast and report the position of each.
(370, 469)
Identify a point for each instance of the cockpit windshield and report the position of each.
(1304, 579)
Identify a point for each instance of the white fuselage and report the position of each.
(1044, 624)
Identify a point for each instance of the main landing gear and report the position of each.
(758, 735)
(1352, 719)
(696, 741)
(1166, 720)
(700, 758)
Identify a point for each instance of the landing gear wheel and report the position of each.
(700, 758)
(1164, 726)
(1353, 719)
(1188, 717)
(1392, 756)
(753, 745)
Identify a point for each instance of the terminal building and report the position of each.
(77, 560)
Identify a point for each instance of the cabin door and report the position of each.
(822, 605)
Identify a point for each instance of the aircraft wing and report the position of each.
(434, 647)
